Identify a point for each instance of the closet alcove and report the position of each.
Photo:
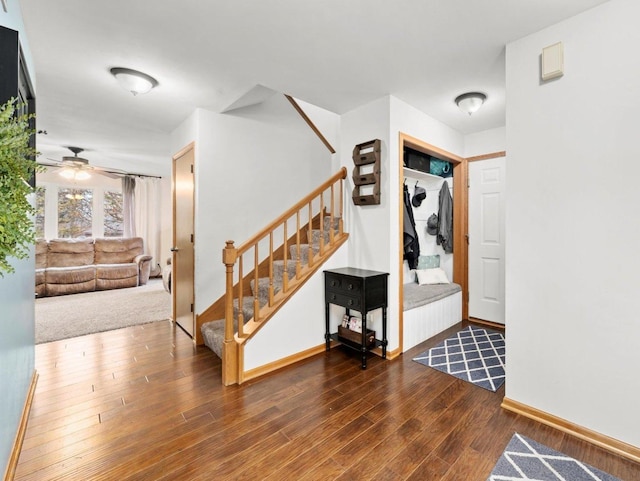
(457, 261)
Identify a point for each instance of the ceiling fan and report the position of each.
(78, 168)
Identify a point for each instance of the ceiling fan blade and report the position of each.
(107, 173)
(46, 164)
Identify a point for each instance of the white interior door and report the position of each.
(486, 239)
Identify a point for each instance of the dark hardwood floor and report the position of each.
(143, 403)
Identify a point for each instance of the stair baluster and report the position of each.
(240, 297)
(321, 225)
(298, 263)
(271, 289)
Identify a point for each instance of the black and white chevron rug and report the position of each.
(475, 355)
(525, 459)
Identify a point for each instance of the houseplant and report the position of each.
(16, 168)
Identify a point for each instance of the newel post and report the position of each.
(229, 347)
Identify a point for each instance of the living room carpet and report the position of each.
(475, 355)
(62, 317)
(526, 459)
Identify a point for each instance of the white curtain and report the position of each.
(147, 218)
(128, 206)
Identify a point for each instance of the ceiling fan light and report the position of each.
(75, 174)
(134, 81)
(67, 173)
(470, 102)
(74, 196)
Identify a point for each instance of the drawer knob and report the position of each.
(333, 297)
(334, 283)
(351, 302)
(350, 286)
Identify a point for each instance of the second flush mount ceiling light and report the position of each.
(470, 102)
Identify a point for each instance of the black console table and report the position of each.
(363, 291)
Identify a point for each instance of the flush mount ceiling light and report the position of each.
(470, 102)
(134, 81)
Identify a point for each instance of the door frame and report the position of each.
(460, 220)
(174, 158)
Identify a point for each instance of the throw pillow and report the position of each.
(432, 276)
(429, 262)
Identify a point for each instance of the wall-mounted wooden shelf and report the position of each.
(366, 154)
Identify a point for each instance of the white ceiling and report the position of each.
(337, 54)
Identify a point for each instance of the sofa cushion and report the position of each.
(41, 290)
(118, 251)
(106, 284)
(116, 276)
(41, 253)
(70, 280)
(70, 275)
(63, 289)
(40, 276)
(116, 271)
(70, 252)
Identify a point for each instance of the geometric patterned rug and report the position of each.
(475, 355)
(525, 459)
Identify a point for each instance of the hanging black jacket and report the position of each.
(410, 236)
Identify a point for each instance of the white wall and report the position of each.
(328, 123)
(374, 241)
(301, 320)
(485, 142)
(251, 165)
(572, 270)
(370, 238)
(166, 221)
(17, 353)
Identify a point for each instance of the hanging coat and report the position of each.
(445, 219)
(410, 236)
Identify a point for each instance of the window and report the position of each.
(75, 212)
(113, 217)
(39, 222)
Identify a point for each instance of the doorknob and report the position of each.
(174, 249)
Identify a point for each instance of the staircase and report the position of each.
(277, 270)
(213, 332)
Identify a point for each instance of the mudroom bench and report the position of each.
(429, 310)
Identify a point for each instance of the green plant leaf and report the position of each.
(17, 165)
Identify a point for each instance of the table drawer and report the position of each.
(342, 284)
(343, 300)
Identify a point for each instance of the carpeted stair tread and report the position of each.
(247, 308)
(326, 224)
(279, 270)
(304, 252)
(213, 335)
(263, 289)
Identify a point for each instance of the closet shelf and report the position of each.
(419, 175)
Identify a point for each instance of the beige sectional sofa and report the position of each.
(69, 266)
